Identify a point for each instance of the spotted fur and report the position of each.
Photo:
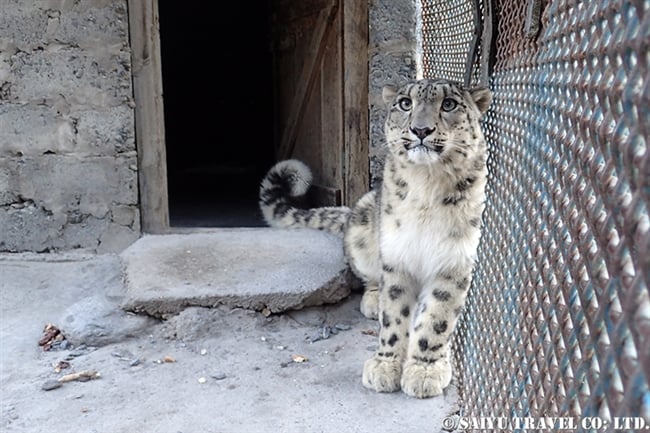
(413, 240)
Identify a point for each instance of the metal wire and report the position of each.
(447, 37)
(558, 317)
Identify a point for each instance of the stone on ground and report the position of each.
(96, 321)
(262, 269)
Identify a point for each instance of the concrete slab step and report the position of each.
(253, 268)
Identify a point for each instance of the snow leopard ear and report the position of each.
(482, 96)
(388, 93)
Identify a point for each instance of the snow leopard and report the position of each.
(413, 239)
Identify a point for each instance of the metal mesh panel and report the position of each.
(558, 317)
(447, 37)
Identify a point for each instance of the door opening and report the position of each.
(218, 103)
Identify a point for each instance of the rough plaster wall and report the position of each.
(392, 61)
(68, 165)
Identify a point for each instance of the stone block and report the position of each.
(28, 227)
(393, 22)
(32, 130)
(23, 24)
(257, 269)
(99, 77)
(90, 24)
(28, 25)
(88, 185)
(108, 131)
(71, 206)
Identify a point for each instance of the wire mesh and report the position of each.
(557, 321)
(447, 36)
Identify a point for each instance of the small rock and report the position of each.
(202, 380)
(326, 331)
(204, 352)
(299, 358)
(323, 333)
(314, 338)
(343, 327)
(97, 321)
(61, 365)
(218, 376)
(50, 385)
(134, 363)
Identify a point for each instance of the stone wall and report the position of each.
(392, 57)
(68, 165)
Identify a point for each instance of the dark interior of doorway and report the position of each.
(218, 101)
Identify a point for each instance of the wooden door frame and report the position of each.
(149, 115)
(150, 119)
(356, 133)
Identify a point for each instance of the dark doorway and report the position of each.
(217, 73)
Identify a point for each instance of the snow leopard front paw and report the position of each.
(382, 375)
(370, 303)
(423, 380)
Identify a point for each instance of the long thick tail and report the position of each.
(282, 185)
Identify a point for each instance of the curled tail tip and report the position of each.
(295, 172)
(284, 181)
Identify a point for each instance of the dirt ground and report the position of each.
(204, 370)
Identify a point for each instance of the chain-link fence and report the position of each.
(558, 318)
(448, 35)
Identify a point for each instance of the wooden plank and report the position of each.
(331, 139)
(355, 103)
(149, 115)
(306, 81)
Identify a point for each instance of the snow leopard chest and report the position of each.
(424, 239)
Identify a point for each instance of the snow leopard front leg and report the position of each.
(397, 291)
(427, 370)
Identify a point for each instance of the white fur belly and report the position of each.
(424, 249)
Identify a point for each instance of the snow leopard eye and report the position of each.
(449, 104)
(405, 104)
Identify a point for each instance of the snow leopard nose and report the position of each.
(421, 133)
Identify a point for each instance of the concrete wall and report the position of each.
(68, 163)
(68, 166)
(392, 45)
